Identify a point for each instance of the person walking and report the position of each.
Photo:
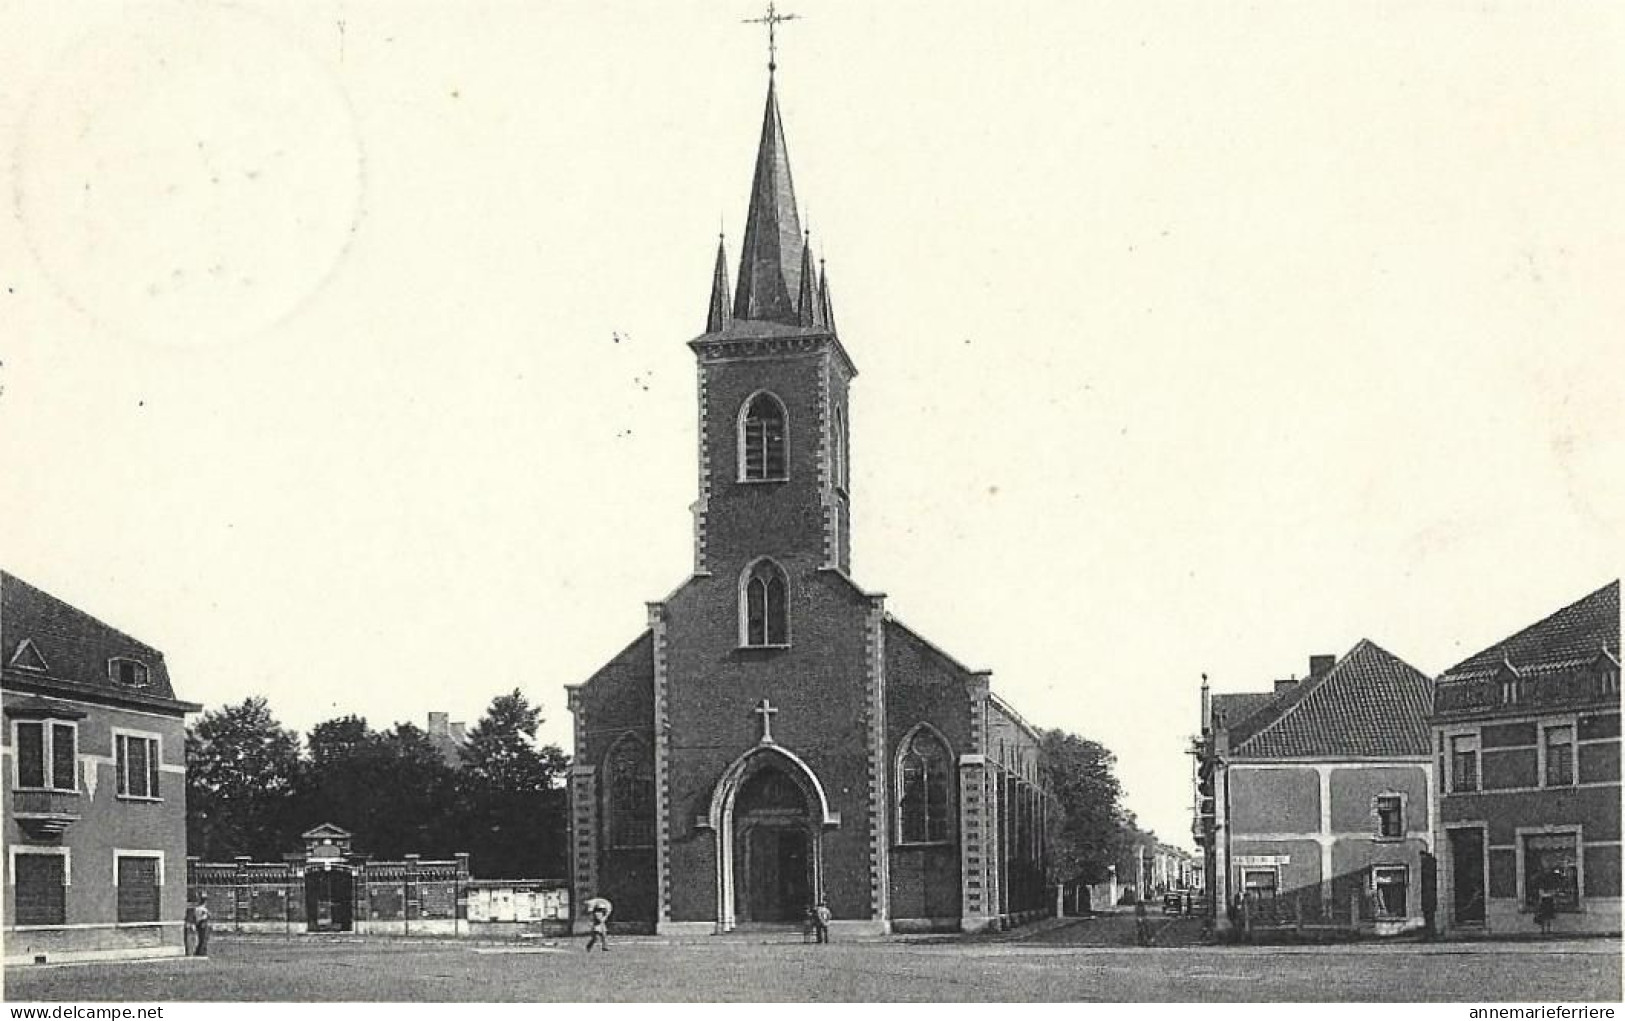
(1142, 924)
(598, 910)
(200, 922)
(820, 920)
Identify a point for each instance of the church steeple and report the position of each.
(826, 311)
(770, 262)
(807, 299)
(720, 313)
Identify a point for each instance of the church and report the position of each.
(775, 738)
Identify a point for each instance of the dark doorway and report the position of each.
(774, 866)
(1467, 875)
(778, 873)
(329, 900)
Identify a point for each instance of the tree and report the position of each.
(502, 753)
(1091, 827)
(513, 809)
(241, 768)
(390, 788)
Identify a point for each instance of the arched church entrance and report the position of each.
(769, 813)
(774, 836)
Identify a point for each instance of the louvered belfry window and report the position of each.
(762, 457)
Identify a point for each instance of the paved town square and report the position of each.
(1052, 967)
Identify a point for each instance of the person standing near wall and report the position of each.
(200, 925)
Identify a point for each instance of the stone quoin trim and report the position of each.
(702, 506)
(662, 749)
(584, 833)
(879, 787)
(826, 470)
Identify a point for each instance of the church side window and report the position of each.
(838, 432)
(761, 440)
(631, 788)
(766, 618)
(923, 784)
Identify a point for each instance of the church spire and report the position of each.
(769, 263)
(826, 311)
(807, 299)
(720, 313)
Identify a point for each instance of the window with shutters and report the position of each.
(126, 671)
(46, 754)
(138, 758)
(923, 788)
(1559, 755)
(1389, 812)
(1463, 763)
(764, 605)
(139, 877)
(41, 888)
(762, 430)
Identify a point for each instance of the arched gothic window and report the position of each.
(765, 602)
(761, 440)
(630, 787)
(922, 780)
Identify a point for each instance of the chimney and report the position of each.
(1320, 666)
(1286, 685)
(438, 726)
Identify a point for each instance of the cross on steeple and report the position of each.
(771, 19)
(765, 710)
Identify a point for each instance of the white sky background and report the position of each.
(1192, 337)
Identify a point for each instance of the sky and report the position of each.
(342, 344)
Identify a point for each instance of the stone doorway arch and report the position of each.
(768, 814)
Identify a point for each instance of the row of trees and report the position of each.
(1090, 828)
(253, 787)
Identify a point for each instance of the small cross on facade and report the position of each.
(772, 19)
(765, 710)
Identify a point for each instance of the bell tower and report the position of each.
(774, 445)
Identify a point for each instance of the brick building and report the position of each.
(1527, 738)
(775, 735)
(1315, 797)
(94, 786)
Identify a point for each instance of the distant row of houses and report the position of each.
(1370, 797)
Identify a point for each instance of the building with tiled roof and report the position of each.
(1527, 734)
(1314, 797)
(94, 786)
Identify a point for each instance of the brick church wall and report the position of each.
(714, 687)
(925, 685)
(619, 700)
